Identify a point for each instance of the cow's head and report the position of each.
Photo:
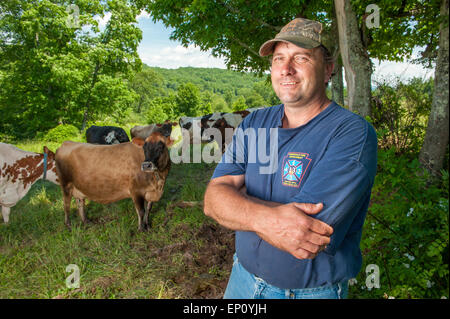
(165, 129)
(110, 138)
(155, 151)
(116, 136)
(186, 122)
(121, 136)
(50, 154)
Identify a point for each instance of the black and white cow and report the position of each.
(106, 135)
(220, 121)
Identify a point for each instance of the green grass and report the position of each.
(171, 260)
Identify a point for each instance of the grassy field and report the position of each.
(183, 255)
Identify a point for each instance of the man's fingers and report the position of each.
(321, 228)
(303, 254)
(309, 208)
(315, 224)
(317, 239)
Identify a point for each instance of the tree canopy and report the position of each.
(235, 29)
(59, 66)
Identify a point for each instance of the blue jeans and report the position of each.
(244, 285)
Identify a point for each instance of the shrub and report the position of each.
(61, 133)
(400, 113)
(239, 104)
(406, 232)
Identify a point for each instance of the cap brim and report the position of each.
(268, 46)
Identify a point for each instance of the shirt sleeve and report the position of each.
(342, 179)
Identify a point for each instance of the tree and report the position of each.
(254, 100)
(337, 81)
(264, 89)
(55, 71)
(435, 144)
(358, 68)
(239, 104)
(188, 100)
(155, 112)
(206, 103)
(219, 104)
(148, 85)
(228, 97)
(115, 49)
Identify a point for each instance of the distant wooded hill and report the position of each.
(216, 80)
(188, 91)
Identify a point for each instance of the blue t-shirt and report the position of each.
(332, 159)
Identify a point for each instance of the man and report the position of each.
(298, 227)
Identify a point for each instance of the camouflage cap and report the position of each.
(301, 32)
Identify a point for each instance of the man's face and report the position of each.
(298, 75)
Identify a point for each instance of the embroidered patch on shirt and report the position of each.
(294, 168)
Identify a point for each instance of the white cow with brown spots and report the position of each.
(19, 170)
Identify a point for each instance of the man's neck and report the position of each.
(298, 115)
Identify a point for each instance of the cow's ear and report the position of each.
(169, 141)
(138, 141)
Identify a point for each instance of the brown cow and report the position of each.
(146, 130)
(108, 173)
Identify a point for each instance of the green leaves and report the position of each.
(188, 99)
(406, 231)
(400, 113)
(61, 133)
(52, 72)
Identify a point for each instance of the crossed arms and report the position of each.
(285, 226)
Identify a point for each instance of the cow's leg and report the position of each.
(148, 208)
(67, 198)
(81, 211)
(139, 204)
(5, 213)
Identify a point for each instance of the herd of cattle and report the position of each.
(108, 168)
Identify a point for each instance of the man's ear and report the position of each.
(138, 141)
(329, 68)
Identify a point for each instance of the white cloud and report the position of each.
(143, 15)
(102, 21)
(405, 70)
(172, 57)
(387, 70)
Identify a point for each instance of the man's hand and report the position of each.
(289, 228)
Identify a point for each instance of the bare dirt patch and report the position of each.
(205, 261)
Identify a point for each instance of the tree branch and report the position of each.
(259, 21)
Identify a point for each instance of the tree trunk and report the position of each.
(358, 68)
(337, 83)
(88, 100)
(434, 146)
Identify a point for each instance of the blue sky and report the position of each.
(156, 49)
